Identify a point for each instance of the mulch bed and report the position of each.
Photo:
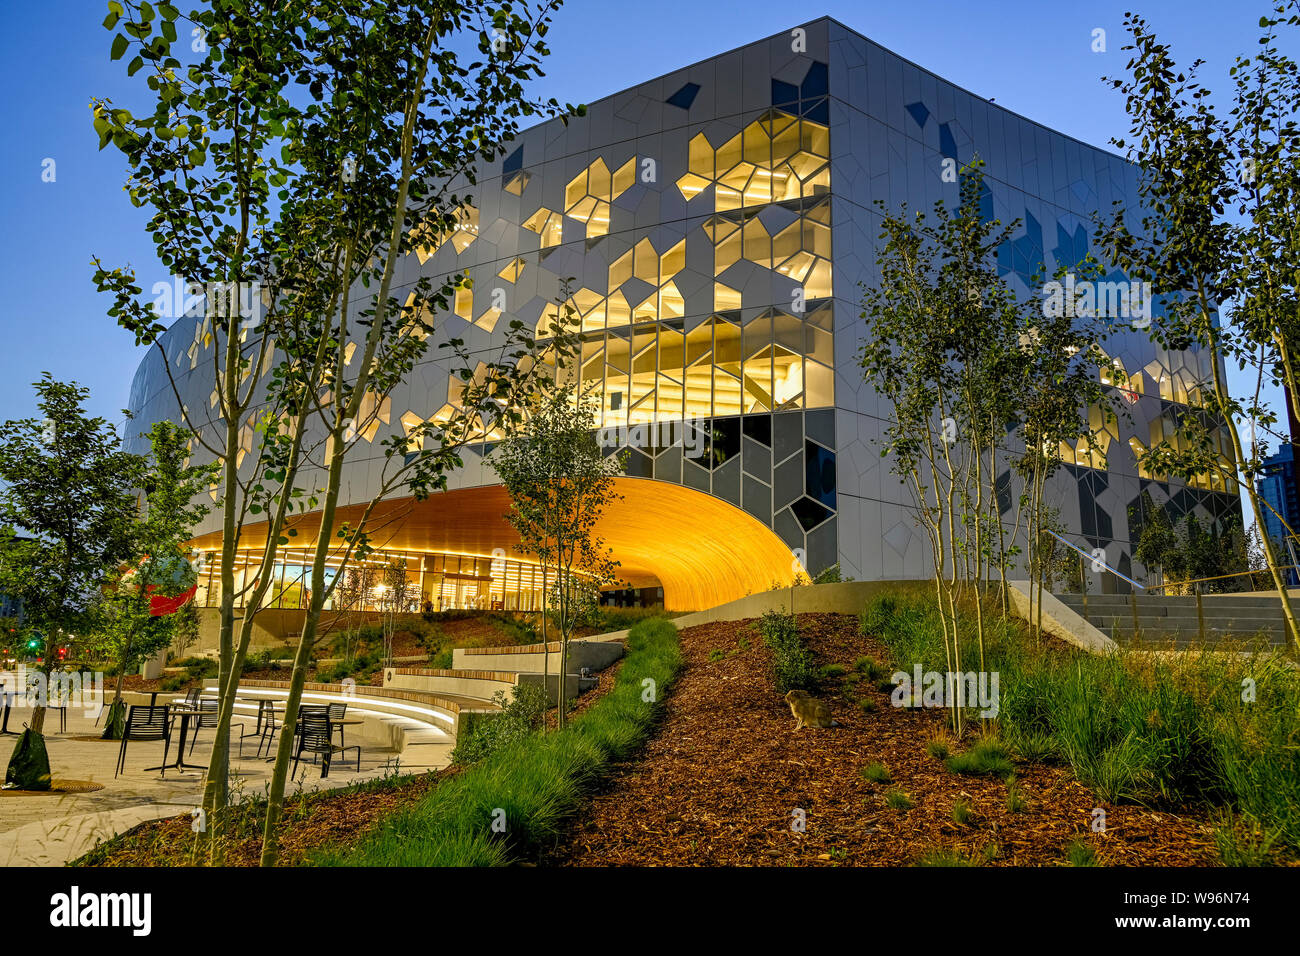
(309, 822)
(719, 783)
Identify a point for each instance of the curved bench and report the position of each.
(478, 684)
(400, 718)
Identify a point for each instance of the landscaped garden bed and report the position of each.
(729, 781)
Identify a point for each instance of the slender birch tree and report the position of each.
(1194, 168)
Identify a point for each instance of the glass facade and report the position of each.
(436, 582)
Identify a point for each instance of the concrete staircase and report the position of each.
(1239, 618)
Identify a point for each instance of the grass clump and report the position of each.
(938, 747)
(870, 668)
(1015, 797)
(986, 757)
(898, 800)
(1242, 842)
(1079, 852)
(832, 670)
(876, 772)
(944, 857)
(963, 813)
(516, 798)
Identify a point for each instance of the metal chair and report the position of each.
(192, 697)
(208, 716)
(144, 722)
(336, 713)
(316, 738)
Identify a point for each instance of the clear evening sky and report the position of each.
(1032, 57)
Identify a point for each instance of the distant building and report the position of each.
(1277, 486)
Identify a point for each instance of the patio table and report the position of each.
(184, 713)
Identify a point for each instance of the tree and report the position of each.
(1157, 542)
(1193, 165)
(560, 482)
(960, 356)
(67, 485)
(308, 152)
(394, 599)
(132, 630)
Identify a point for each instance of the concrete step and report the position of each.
(482, 685)
(534, 658)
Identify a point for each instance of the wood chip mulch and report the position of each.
(323, 818)
(722, 780)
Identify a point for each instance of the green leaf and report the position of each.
(134, 66)
(119, 47)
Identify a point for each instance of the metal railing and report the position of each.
(1099, 565)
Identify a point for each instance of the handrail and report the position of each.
(1119, 574)
(1220, 577)
(1161, 587)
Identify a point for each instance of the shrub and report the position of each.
(830, 575)
(792, 663)
(482, 735)
(832, 670)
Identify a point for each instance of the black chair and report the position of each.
(192, 697)
(144, 722)
(322, 709)
(316, 738)
(336, 713)
(207, 716)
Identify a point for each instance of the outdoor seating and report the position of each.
(317, 738)
(265, 729)
(207, 717)
(144, 722)
(338, 712)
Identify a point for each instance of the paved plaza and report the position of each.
(51, 829)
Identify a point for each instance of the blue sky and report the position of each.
(1032, 57)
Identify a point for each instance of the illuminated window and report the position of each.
(512, 270)
(588, 195)
(548, 224)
